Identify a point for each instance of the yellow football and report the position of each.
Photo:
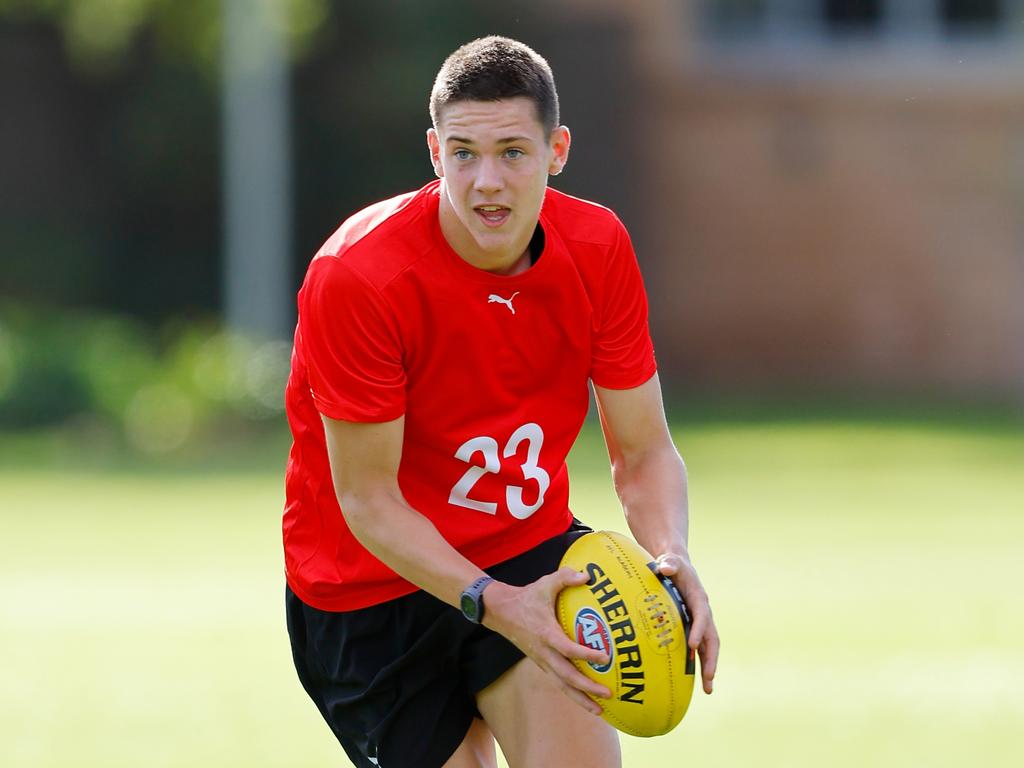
(638, 619)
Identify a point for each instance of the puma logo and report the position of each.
(507, 302)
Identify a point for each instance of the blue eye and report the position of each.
(462, 154)
(514, 154)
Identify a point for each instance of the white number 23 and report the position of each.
(488, 446)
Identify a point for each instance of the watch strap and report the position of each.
(472, 603)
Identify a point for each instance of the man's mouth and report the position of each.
(493, 215)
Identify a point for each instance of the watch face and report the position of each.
(469, 608)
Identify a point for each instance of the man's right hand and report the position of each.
(526, 617)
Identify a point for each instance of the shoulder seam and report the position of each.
(405, 269)
(412, 196)
(360, 243)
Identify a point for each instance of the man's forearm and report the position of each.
(409, 544)
(652, 489)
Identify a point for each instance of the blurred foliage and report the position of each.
(155, 391)
(112, 199)
(98, 34)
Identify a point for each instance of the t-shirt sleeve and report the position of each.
(623, 353)
(352, 346)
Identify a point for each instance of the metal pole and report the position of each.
(256, 169)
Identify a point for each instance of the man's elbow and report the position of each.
(364, 509)
(637, 464)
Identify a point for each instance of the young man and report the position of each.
(445, 343)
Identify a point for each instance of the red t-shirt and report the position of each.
(490, 371)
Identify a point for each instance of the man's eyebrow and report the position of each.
(509, 140)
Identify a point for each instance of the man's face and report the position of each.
(494, 158)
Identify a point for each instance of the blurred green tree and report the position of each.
(110, 195)
(98, 34)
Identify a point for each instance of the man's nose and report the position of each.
(488, 176)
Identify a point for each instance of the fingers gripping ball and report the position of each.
(637, 617)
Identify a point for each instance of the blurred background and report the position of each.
(826, 197)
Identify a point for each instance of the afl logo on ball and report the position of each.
(593, 632)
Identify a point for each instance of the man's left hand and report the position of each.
(703, 634)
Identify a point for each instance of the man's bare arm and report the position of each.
(364, 467)
(650, 480)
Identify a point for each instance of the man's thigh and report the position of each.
(536, 724)
(476, 750)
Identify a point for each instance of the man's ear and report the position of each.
(434, 145)
(560, 141)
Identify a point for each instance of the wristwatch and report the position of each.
(472, 601)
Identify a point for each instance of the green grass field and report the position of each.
(866, 579)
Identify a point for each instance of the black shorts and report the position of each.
(397, 682)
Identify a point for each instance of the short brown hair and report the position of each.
(493, 68)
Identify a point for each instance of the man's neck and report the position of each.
(513, 262)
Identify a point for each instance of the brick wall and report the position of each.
(838, 236)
